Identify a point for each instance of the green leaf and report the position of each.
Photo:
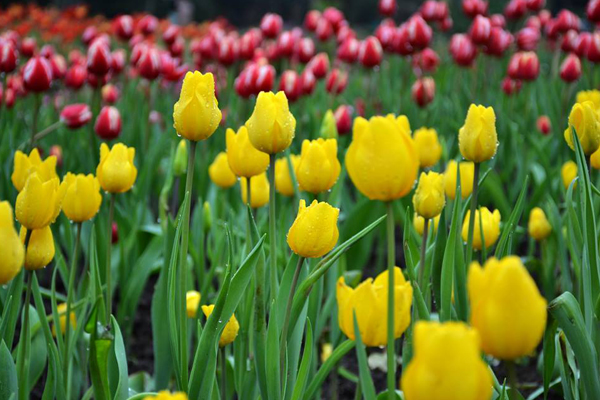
(273, 367)
(8, 373)
(302, 377)
(503, 248)
(549, 353)
(366, 381)
(327, 366)
(118, 364)
(449, 261)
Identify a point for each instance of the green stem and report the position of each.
(70, 293)
(46, 131)
(288, 312)
(96, 99)
(272, 229)
(36, 111)
(391, 351)
(185, 236)
(422, 284)
(512, 380)
(472, 215)
(23, 354)
(223, 373)
(249, 204)
(111, 216)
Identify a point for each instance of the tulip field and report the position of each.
(301, 210)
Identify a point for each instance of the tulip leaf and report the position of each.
(10, 312)
(117, 365)
(8, 373)
(450, 259)
(366, 381)
(549, 353)
(273, 366)
(337, 354)
(503, 248)
(302, 377)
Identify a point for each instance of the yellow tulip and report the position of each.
(272, 126)
(382, 159)
(477, 139)
(326, 350)
(402, 122)
(38, 204)
(62, 311)
(231, 328)
(26, 165)
(283, 178)
(569, 173)
(12, 254)
(446, 364)
(192, 301)
(314, 232)
(429, 199)
(369, 302)
(40, 249)
(589, 95)
(181, 158)
(506, 308)
(318, 168)
(196, 114)
(430, 149)
(220, 172)
(165, 395)
(419, 223)
(82, 198)
(595, 159)
(243, 158)
(539, 227)
(116, 171)
(467, 172)
(586, 122)
(491, 227)
(259, 190)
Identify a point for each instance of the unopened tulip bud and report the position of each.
(370, 52)
(99, 58)
(123, 27)
(56, 151)
(429, 199)
(478, 139)
(387, 8)
(231, 328)
(272, 126)
(283, 178)
(37, 74)
(8, 57)
(192, 302)
(544, 125)
(75, 116)
(108, 123)
(244, 159)
(462, 49)
(480, 30)
(423, 91)
(430, 149)
(491, 227)
(314, 233)
(40, 249)
(584, 119)
(343, 119)
(538, 227)
(116, 171)
(259, 190)
(271, 25)
(319, 167)
(76, 76)
(570, 69)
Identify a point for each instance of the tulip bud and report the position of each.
(467, 171)
(348, 50)
(508, 329)
(586, 122)
(75, 116)
(38, 204)
(429, 200)
(319, 167)
(110, 94)
(244, 159)
(477, 139)
(305, 50)
(123, 27)
(423, 91)
(480, 30)
(192, 301)
(515, 9)
(8, 57)
(37, 74)
(528, 39)
(89, 34)
(271, 25)
(28, 47)
(498, 20)
(231, 328)
(419, 33)
(387, 8)
(539, 228)
(108, 123)
(307, 82)
(99, 58)
(491, 227)
(314, 233)
(419, 223)
(567, 20)
(498, 42)
(462, 50)
(370, 52)
(283, 178)
(544, 125)
(472, 8)
(40, 249)
(82, 199)
(430, 149)
(369, 299)
(427, 60)
(75, 77)
(311, 19)
(272, 126)
(13, 253)
(259, 190)
(336, 81)
(319, 65)
(510, 86)
(24, 166)
(149, 65)
(324, 30)
(593, 11)
(570, 69)
(343, 119)
(148, 24)
(116, 171)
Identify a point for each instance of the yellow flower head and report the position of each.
(13, 253)
(62, 311)
(506, 308)
(585, 120)
(595, 159)
(491, 227)
(82, 199)
(272, 126)
(26, 165)
(429, 199)
(477, 139)
(259, 190)
(116, 171)
(539, 227)
(446, 364)
(231, 328)
(382, 160)
(40, 250)
(314, 232)
(369, 302)
(319, 167)
(589, 95)
(569, 173)
(39, 203)
(243, 158)
(467, 172)
(419, 223)
(430, 149)
(192, 301)
(220, 172)
(165, 395)
(283, 178)
(196, 115)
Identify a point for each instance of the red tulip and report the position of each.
(387, 8)
(593, 10)
(89, 34)
(427, 60)
(307, 81)
(423, 91)
(76, 76)
(433, 10)
(263, 78)
(108, 123)
(57, 152)
(227, 50)
(401, 41)
(115, 233)
(593, 50)
(37, 74)
(171, 34)
(582, 44)
(533, 21)
(370, 52)
(319, 65)
(247, 45)
(59, 66)
(535, 5)
(8, 57)
(343, 119)
(9, 98)
(510, 86)
(76, 115)
(462, 50)
(570, 69)
(334, 16)
(110, 94)
(97, 81)
(311, 19)
(385, 34)
(324, 29)
(285, 44)
(498, 20)
(528, 39)
(147, 25)
(305, 50)
(419, 33)
(271, 25)
(290, 84)
(515, 9)
(122, 27)
(148, 65)
(28, 47)
(47, 51)
(544, 125)
(524, 66)
(446, 24)
(569, 41)
(471, 8)
(480, 30)
(345, 32)
(498, 43)
(545, 16)
(117, 61)
(336, 81)
(99, 58)
(348, 50)
(566, 20)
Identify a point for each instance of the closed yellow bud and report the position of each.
(491, 227)
(595, 159)
(477, 139)
(38, 204)
(271, 126)
(369, 302)
(319, 167)
(62, 311)
(430, 149)
(283, 178)
(569, 173)
(243, 158)
(192, 301)
(12, 254)
(467, 172)
(429, 199)
(26, 165)
(506, 308)
(419, 223)
(329, 126)
(231, 328)
(196, 115)
(326, 350)
(181, 158)
(589, 95)
(314, 232)
(382, 159)
(82, 199)
(40, 249)
(259, 190)
(116, 171)
(220, 172)
(165, 395)
(446, 364)
(586, 122)
(539, 227)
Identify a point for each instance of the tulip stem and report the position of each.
(70, 293)
(25, 338)
(288, 314)
(423, 255)
(36, 110)
(272, 228)
(46, 131)
(223, 363)
(512, 380)
(111, 216)
(391, 351)
(250, 214)
(472, 215)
